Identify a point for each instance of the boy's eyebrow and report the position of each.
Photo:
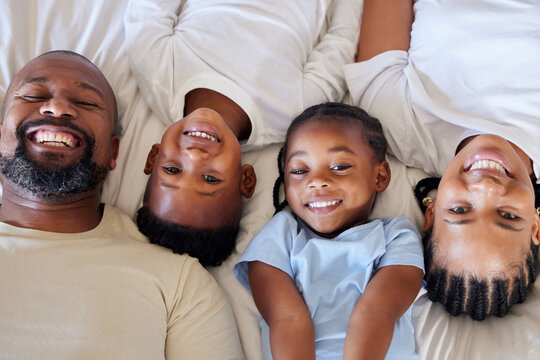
(82, 85)
(202, 193)
(332, 150)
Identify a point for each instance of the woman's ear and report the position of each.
(428, 217)
(383, 176)
(249, 180)
(151, 159)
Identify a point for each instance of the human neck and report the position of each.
(235, 117)
(75, 217)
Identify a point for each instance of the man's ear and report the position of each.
(536, 231)
(428, 217)
(151, 159)
(383, 176)
(249, 180)
(115, 146)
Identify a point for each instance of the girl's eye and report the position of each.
(171, 170)
(458, 210)
(211, 179)
(508, 216)
(340, 167)
(297, 171)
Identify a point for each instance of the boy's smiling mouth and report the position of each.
(202, 134)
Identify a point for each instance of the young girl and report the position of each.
(328, 282)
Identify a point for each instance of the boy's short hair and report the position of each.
(210, 246)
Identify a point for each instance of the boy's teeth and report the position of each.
(321, 204)
(203, 135)
(488, 164)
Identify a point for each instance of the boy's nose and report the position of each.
(197, 154)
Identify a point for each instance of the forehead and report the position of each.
(480, 247)
(65, 69)
(328, 132)
(185, 206)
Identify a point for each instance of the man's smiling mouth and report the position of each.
(55, 138)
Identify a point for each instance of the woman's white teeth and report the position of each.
(54, 139)
(488, 164)
(203, 135)
(321, 204)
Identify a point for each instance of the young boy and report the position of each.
(280, 58)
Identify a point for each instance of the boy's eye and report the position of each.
(459, 210)
(340, 167)
(297, 171)
(171, 170)
(508, 216)
(211, 179)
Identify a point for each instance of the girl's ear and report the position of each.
(429, 217)
(383, 176)
(249, 180)
(151, 159)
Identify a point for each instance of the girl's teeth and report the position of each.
(321, 204)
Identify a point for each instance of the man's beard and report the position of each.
(54, 183)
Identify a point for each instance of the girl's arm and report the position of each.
(280, 304)
(386, 298)
(386, 25)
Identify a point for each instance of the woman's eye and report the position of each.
(508, 216)
(459, 210)
(211, 179)
(171, 170)
(340, 167)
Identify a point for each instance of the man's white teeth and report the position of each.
(488, 164)
(53, 139)
(321, 204)
(203, 135)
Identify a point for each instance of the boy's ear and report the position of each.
(151, 159)
(383, 176)
(428, 217)
(248, 182)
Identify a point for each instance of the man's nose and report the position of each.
(58, 107)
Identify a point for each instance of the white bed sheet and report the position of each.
(95, 29)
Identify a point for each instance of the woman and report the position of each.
(458, 94)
